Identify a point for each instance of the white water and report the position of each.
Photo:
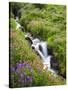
(18, 26)
(43, 52)
(35, 41)
(44, 49)
(41, 48)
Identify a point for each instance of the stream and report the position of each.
(40, 47)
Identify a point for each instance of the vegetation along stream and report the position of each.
(37, 44)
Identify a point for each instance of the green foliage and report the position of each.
(21, 52)
(36, 27)
(15, 7)
(20, 49)
(47, 22)
(11, 15)
(58, 45)
(12, 23)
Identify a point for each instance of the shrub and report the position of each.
(49, 24)
(57, 44)
(12, 23)
(36, 27)
(11, 15)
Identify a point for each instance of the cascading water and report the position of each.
(44, 49)
(17, 19)
(18, 26)
(40, 47)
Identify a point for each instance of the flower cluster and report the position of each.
(23, 73)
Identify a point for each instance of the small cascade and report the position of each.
(29, 37)
(44, 49)
(40, 47)
(17, 19)
(35, 41)
(18, 26)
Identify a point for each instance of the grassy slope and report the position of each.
(21, 51)
(48, 23)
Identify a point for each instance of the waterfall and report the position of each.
(35, 41)
(17, 19)
(18, 26)
(40, 47)
(44, 49)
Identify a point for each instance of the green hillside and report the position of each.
(48, 23)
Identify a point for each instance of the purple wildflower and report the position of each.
(29, 78)
(20, 65)
(24, 72)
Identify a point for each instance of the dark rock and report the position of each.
(22, 28)
(40, 48)
(50, 51)
(54, 63)
(27, 38)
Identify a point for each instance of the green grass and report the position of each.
(20, 51)
(12, 23)
(47, 22)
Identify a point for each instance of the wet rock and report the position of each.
(29, 37)
(40, 48)
(54, 63)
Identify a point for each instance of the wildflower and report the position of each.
(20, 65)
(24, 73)
(28, 78)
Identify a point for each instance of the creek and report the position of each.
(40, 47)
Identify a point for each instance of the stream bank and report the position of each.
(41, 49)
